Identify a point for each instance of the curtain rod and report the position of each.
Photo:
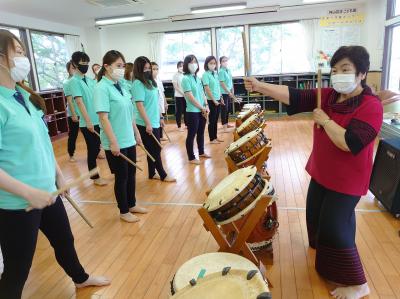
(33, 29)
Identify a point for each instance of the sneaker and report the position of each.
(128, 217)
(229, 126)
(169, 179)
(215, 141)
(181, 129)
(138, 210)
(72, 159)
(219, 140)
(100, 182)
(195, 161)
(164, 139)
(205, 156)
(155, 177)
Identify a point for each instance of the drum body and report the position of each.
(207, 264)
(254, 122)
(235, 196)
(247, 147)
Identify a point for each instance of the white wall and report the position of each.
(133, 39)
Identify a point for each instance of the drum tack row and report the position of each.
(241, 214)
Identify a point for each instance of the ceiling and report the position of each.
(82, 13)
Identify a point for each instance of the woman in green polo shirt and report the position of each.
(211, 86)
(225, 79)
(118, 132)
(28, 175)
(148, 117)
(196, 108)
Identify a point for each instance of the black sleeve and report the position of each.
(301, 101)
(358, 135)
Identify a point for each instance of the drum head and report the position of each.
(242, 140)
(207, 264)
(229, 188)
(233, 285)
(247, 122)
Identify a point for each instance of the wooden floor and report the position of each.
(142, 258)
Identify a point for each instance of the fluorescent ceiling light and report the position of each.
(120, 20)
(315, 1)
(208, 9)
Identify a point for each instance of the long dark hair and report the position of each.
(208, 60)
(128, 71)
(6, 43)
(189, 59)
(138, 68)
(109, 58)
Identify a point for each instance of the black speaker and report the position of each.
(385, 178)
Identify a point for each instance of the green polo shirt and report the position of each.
(26, 152)
(149, 98)
(67, 92)
(85, 90)
(107, 98)
(211, 80)
(193, 83)
(225, 76)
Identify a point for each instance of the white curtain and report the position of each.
(312, 40)
(73, 44)
(156, 43)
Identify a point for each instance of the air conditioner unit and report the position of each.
(241, 12)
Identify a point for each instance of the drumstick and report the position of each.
(147, 153)
(165, 132)
(76, 207)
(246, 55)
(71, 184)
(124, 157)
(319, 82)
(156, 140)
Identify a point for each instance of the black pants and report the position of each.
(154, 149)
(331, 226)
(225, 109)
(196, 124)
(180, 104)
(18, 237)
(72, 135)
(125, 178)
(93, 147)
(213, 120)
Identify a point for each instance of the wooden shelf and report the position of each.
(57, 120)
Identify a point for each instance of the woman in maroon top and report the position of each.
(340, 163)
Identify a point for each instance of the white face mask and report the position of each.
(193, 68)
(211, 67)
(180, 69)
(224, 64)
(118, 74)
(344, 83)
(21, 69)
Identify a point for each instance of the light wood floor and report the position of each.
(142, 258)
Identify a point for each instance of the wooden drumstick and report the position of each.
(319, 82)
(76, 207)
(124, 157)
(71, 184)
(247, 70)
(165, 132)
(156, 140)
(147, 153)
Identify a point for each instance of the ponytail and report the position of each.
(35, 99)
(101, 73)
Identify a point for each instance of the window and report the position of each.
(229, 43)
(397, 8)
(394, 61)
(50, 54)
(178, 45)
(278, 48)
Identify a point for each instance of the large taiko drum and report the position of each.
(219, 275)
(254, 122)
(244, 151)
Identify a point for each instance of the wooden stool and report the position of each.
(239, 245)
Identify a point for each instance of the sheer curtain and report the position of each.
(156, 43)
(73, 44)
(312, 40)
